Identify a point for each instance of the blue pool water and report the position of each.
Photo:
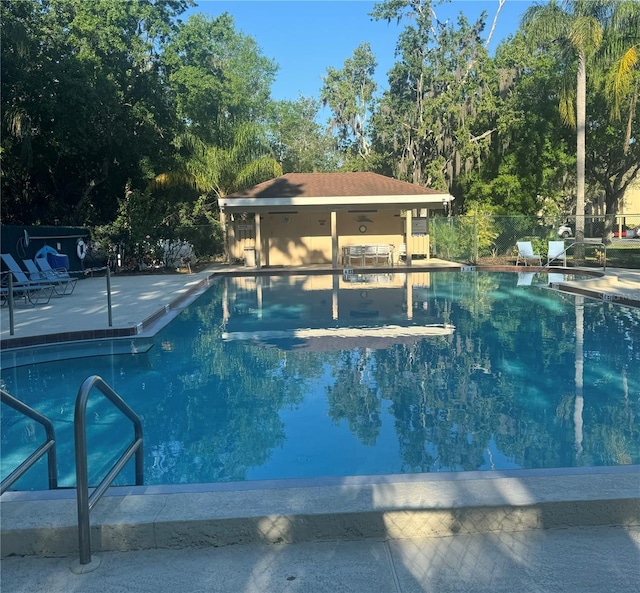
(305, 376)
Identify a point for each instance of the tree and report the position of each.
(298, 141)
(84, 108)
(221, 82)
(218, 76)
(614, 161)
(531, 163)
(243, 160)
(621, 53)
(602, 37)
(214, 171)
(349, 95)
(576, 27)
(440, 104)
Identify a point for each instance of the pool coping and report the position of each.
(323, 509)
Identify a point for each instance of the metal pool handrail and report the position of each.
(86, 502)
(48, 447)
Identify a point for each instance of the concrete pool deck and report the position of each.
(554, 530)
(575, 531)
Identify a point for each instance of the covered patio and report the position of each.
(342, 219)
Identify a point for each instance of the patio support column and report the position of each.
(233, 245)
(407, 235)
(334, 239)
(258, 240)
(428, 238)
(225, 233)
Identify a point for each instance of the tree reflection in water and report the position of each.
(510, 377)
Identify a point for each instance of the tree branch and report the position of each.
(495, 21)
(477, 138)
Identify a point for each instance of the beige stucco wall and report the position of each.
(296, 239)
(631, 204)
(301, 238)
(305, 238)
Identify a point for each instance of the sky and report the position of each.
(305, 37)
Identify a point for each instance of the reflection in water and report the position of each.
(295, 376)
(579, 406)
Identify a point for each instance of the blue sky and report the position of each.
(305, 37)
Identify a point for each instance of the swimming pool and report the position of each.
(290, 376)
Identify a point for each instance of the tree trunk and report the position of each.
(581, 116)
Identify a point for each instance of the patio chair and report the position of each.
(402, 252)
(557, 253)
(370, 254)
(355, 253)
(32, 291)
(384, 254)
(526, 254)
(60, 283)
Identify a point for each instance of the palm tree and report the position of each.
(576, 27)
(216, 171)
(621, 55)
(244, 160)
(619, 62)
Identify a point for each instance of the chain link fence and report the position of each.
(491, 240)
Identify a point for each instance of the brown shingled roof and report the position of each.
(332, 185)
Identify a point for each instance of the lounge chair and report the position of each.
(34, 292)
(557, 253)
(526, 254)
(66, 284)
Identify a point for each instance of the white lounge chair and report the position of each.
(526, 254)
(557, 253)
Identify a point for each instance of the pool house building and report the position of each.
(342, 219)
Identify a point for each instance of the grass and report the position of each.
(624, 256)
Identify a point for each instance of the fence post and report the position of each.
(10, 303)
(109, 315)
(475, 235)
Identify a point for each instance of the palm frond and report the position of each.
(585, 34)
(172, 179)
(620, 79)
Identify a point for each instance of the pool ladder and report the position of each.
(48, 447)
(85, 501)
